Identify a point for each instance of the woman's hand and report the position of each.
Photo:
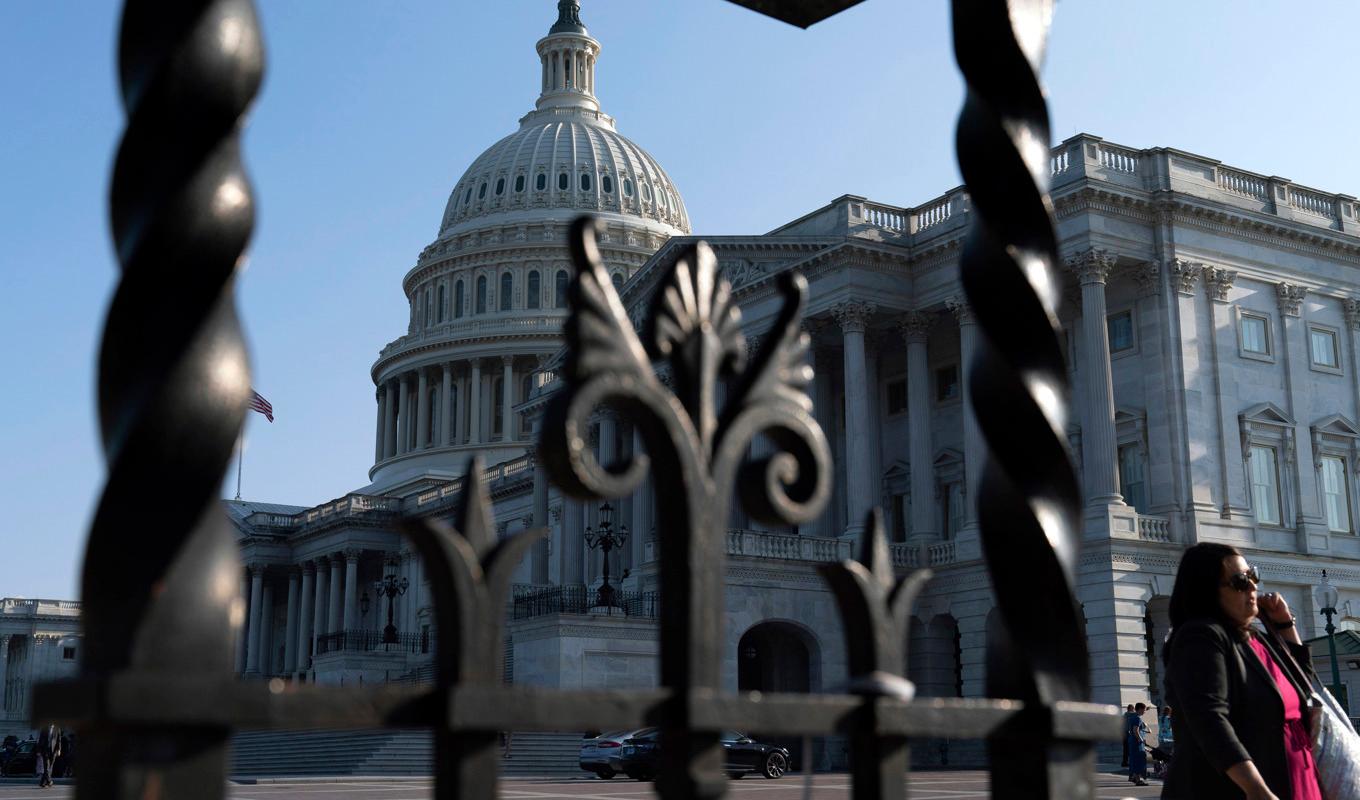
(1244, 774)
(1273, 608)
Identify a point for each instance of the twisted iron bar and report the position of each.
(1029, 500)
(172, 389)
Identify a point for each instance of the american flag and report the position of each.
(258, 403)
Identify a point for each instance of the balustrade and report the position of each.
(1118, 159)
(1313, 202)
(1244, 184)
(1154, 529)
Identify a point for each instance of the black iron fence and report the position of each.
(581, 599)
(374, 641)
(157, 700)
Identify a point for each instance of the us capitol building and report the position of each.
(1212, 326)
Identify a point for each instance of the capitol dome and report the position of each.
(488, 297)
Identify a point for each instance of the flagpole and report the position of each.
(240, 456)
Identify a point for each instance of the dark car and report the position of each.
(641, 756)
(600, 754)
(22, 761)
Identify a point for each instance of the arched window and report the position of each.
(507, 290)
(563, 181)
(481, 294)
(627, 187)
(519, 183)
(607, 183)
(440, 312)
(429, 308)
(542, 182)
(481, 192)
(458, 300)
(500, 186)
(532, 292)
(618, 280)
(660, 198)
(646, 191)
(497, 395)
(585, 182)
(560, 289)
(434, 418)
(467, 198)
(454, 413)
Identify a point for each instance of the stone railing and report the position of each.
(24, 606)
(889, 217)
(349, 505)
(786, 547)
(1165, 169)
(909, 555)
(506, 469)
(492, 324)
(1154, 529)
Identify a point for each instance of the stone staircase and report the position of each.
(259, 754)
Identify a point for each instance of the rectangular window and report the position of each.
(68, 654)
(952, 511)
(1265, 485)
(1254, 338)
(1131, 482)
(1322, 345)
(1336, 494)
(1120, 329)
(901, 509)
(897, 396)
(947, 383)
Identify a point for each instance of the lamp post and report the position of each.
(1326, 597)
(393, 587)
(606, 539)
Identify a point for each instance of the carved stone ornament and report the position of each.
(853, 315)
(1092, 266)
(914, 326)
(1290, 297)
(1351, 309)
(962, 311)
(1184, 273)
(1218, 282)
(1148, 276)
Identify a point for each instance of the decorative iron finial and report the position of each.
(568, 18)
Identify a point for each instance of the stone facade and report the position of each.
(39, 642)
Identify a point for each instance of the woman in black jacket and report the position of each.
(1237, 733)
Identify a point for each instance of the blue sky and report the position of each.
(371, 111)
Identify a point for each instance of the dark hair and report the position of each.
(1140, 705)
(1195, 595)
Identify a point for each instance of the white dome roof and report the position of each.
(602, 171)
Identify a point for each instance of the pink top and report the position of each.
(1298, 748)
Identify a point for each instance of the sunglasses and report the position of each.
(1244, 581)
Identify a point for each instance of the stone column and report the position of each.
(823, 410)
(4, 671)
(352, 590)
(475, 403)
(1223, 345)
(290, 632)
(378, 446)
(1097, 418)
(571, 553)
(403, 415)
(267, 631)
(422, 411)
(446, 406)
(915, 328)
(241, 637)
(460, 427)
(1308, 517)
(507, 398)
(637, 539)
(305, 618)
(538, 565)
(319, 617)
(334, 615)
(608, 454)
(253, 632)
(853, 317)
(390, 421)
(974, 447)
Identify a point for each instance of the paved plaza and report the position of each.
(950, 785)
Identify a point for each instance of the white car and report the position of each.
(600, 754)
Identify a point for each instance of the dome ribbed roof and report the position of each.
(619, 176)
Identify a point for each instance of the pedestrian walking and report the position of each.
(49, 747)
(1128, 715)
(1134, 731)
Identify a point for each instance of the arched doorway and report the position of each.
(1157, 624)
(934, 656)
(779, 657)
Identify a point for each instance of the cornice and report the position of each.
(549, 340)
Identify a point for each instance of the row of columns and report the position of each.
(323, 597)
(576, 62)
(455, 417)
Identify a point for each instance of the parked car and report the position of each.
(22, 761)
(600, 753)
(641, 756)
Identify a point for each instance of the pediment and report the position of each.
(1266, 414)
(948, 457)
(1126, 414)
(900, 470)
(1336, 425)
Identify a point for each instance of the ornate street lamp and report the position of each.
(606, 539)
(393, 587)
(1326, 598)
